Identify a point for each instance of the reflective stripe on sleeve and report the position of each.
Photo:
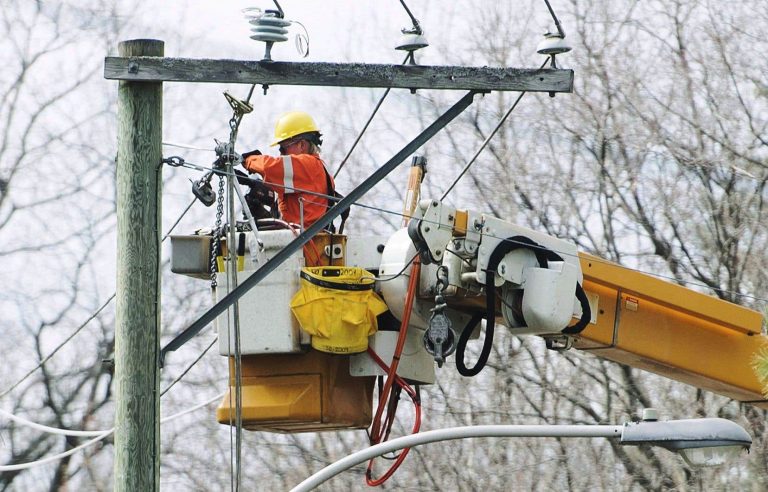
(288, 174)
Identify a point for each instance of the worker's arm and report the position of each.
(295, 172)
(261, 164)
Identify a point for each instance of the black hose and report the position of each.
(586, 312)
(461, 345)
(543, 256)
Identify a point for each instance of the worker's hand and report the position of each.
(249, 154)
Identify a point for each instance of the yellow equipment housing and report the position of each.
(667, 329)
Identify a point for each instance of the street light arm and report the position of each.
(330, 471)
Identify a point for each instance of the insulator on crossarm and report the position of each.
(268, 26)
(411, 41)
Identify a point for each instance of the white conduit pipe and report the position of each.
(99, 435)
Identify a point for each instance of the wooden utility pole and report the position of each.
(137, 327)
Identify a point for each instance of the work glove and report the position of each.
(243, 178)
(250, 153)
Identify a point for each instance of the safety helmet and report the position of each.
(291, 124)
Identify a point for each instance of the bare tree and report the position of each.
(56, 218)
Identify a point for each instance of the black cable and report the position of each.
(543, 256)
(486, 141)
(280, 9)
(586, 312)
(416, 25)
(379, 279)
(560, 30)
(675, 280)
(461, 345)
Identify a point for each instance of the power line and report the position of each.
(486, 141)
(104, 434)
(367, 123)
(187, 146)
(58, 347)
(85, 323)
(189, 367)
(598, 260)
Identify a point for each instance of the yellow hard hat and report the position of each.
(292, 124)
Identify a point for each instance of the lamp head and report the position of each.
(701, 442)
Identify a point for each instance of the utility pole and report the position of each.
(137, 325)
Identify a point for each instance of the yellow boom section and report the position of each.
(645, 322)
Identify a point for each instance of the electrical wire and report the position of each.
(417, 30)
(50, 430)
(232, 181)
(486, 141)
(103, 435)
(562, 253)
(85, 323)
(58, 347)
(416, 25)
(390, 420)
(365, 127)
(83, 433)
(380, 432)
(187, 146)
(402, 271)
(559, 28)
(189, 367)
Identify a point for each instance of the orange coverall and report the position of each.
(290, 174)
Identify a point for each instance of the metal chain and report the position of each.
(217, 231)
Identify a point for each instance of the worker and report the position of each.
(298, 175)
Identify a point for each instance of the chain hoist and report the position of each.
(226, 158)
(439, 339)
(217, 232)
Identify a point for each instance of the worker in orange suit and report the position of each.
(298, 175)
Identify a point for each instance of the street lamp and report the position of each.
(701, 442)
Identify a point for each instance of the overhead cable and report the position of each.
(99, 437)
(85, 323)
(485, 142)
(187, 146)
(190, 366)
(558, 26)
(564, 253)
(416, 26)
(365, 127)
(58, 347)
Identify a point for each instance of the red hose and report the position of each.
(380, 432)
(384, 395)
(416, 426)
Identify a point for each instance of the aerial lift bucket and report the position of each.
(298, 393)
